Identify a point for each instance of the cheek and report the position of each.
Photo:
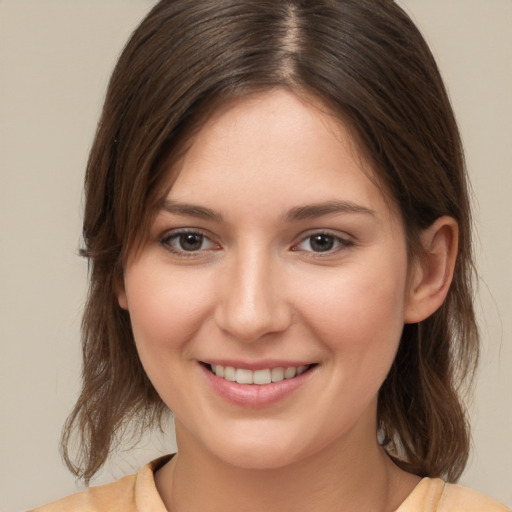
(359, 320)
(359, 317)
(165, 307)
(166, 312)
(356, 300)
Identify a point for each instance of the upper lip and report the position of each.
(257, 365)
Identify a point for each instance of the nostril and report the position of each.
(251, 322)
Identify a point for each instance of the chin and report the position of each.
(257, 450)
(264, 449)
(252, 457)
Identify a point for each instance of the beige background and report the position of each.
(55, 59)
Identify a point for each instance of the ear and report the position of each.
(433, 271)
(120, 291)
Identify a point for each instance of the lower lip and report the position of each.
(255, 395)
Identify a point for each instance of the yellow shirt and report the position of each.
(137, 493)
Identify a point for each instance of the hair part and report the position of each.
(367, 62)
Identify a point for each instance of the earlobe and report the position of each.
(120, 291)
(121, 298)
(433, 273)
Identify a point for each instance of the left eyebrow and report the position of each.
(312, 211)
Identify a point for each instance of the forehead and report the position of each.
(273, 141)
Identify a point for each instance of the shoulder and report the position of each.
(129, 494)
(456, 498)
(114, 497)
(434, 495)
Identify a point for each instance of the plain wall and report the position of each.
(55, 60)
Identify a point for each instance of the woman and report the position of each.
(278, 228)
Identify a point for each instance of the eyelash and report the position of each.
(339, 243)
(168, 239)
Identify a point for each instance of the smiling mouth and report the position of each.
(258, 377)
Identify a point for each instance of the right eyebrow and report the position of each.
(191, 210)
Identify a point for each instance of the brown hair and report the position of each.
(369, 64)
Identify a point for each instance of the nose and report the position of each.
(252, 301)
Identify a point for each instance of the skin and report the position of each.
(256, 289)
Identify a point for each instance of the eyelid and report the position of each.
(172, 234)
(344, 241)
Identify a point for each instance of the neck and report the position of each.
(349, 475)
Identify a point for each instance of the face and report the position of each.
(268, 303)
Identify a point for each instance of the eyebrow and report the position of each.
(191, 210)
(298, 213)
(312, 211)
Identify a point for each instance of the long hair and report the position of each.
(369, 64)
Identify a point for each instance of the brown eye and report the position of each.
(321, 243)
(187, 242)
(190, 241)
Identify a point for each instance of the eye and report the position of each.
(183, 242)
(322, 243)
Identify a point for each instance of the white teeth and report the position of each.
(229, 373)
(262, 377)
(301, 369)
(277, 374)
(259, 377)
(243, 376)
(290, 372)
